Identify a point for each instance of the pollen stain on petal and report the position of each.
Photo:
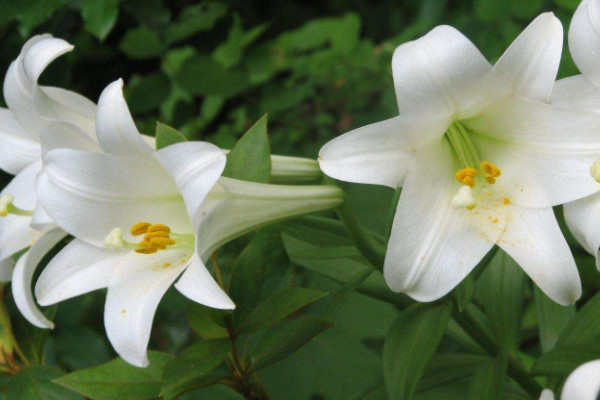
(506, 201)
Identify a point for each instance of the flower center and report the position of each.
(473, 169)
(595, 170)
(156, 237)
(7, 207)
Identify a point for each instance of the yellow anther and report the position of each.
(466, 176)
(159, 228)
(140, 228)
(491, 171)
(159, 234)
(146, 251)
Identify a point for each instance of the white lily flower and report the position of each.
(141, 218)
(582, 384)
(482, 158)
(583, 92)
(31, 109)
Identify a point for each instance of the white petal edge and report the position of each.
(584, 39)
(441, 75)
(433, 246)
(533, 239)
(77, 269)
(547, 395)
(582, 218)
(136, 288)
(116, 131)
(530, 64)
(576, 92)
(23, 276)
(377, 154)
(198, 285)
(18, 149)
(583, 383)
(195, 167)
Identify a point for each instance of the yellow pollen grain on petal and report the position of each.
(491, 171)
(466, 176)
(159, 228)
(506, 201)
(140, 228)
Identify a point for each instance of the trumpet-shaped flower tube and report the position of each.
(482, 157)
(143, 218)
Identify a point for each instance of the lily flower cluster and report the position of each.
(481, 153)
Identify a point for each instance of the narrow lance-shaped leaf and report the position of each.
(250, 158)
(197, 366)
(117, 380)
(501, 287)
(489, 379)
(410, 344)
(563, 360)
(584, 327)
(167, 135)
(286, 338)
(552, 319)
(206, 322)
(35, 383)
(279, 306)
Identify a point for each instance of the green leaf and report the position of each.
(206, 322)
(35, 383)
(196, 18)
(203, 75)
(552, 319)
(147, 93)
(260, 270)
(279, 306)
(167, 135)
(584, 327)
(99, 16)
(250, 158)
(410, 344)
(286, 338)
(81, 347)
(141, 43)
(501, 287)
(563, 360)
(195, 367)
(447, 368)
(568, 4)
(117, 380)
(488, 381)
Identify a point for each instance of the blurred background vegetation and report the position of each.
(211, 69)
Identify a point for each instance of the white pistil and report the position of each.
(595, 170)
(464, 198)
(6, 201)
(114, 240)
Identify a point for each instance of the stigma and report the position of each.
(595, 170)
(464, 198)
(7, 207)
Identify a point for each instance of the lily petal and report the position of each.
(547, 395)
(77, 269)
(18, 150)
(23, 276)
(61, 135)
(195, 167)
(15, 231)
(440, 75)
(531, 62)
(198, 285)
(135, 290)
(576, 92)
(90, 194)
(115, 128)
(533, 239)
(584, 39)
(433, 245)
(376, 154)
(583, 383)
(57, 104)
(40, 220)
(582, 218)
(544, 151)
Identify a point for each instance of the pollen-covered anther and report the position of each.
(6, 201)
(156, 237)
(491, 171)
(140, 228)
(466, 176)
(464, 198)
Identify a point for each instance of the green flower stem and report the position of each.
(516, 369)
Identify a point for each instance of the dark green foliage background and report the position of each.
(211, 69)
